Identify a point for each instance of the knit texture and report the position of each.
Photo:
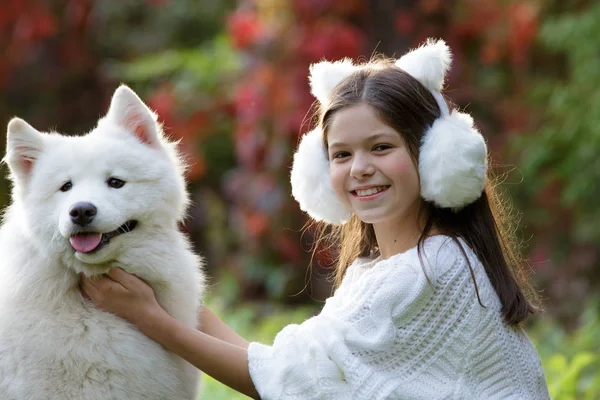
(388, 333)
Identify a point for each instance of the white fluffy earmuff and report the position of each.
(453, 154)
(311, 186)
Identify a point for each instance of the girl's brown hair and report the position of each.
(406, 105)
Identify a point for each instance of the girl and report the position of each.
(430, 292)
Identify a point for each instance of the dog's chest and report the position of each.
(70, 354)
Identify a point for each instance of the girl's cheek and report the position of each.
(401, 165)
(402, 169)
(337, 176)
(334, 176)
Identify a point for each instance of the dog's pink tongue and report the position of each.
(85, 242)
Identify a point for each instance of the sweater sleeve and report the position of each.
(338, 353)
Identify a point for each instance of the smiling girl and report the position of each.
(429, 292)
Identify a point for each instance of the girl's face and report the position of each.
(370, 167)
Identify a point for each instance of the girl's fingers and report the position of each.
(88, 289)
(127, 280)
(98, 287)
(118, 275)
(83, 291)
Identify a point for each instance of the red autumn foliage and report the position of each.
(244, 29)
(52, 69)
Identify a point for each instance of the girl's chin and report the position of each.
(372, 217)
(378, 216)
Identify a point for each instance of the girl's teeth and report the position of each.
(370, 191)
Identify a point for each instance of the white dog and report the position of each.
(82, 204)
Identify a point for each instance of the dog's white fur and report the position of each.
(54, 344)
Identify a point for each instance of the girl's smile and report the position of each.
(369, 192)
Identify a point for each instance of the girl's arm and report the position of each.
(224, 361)
(213, 326)
(131, 298)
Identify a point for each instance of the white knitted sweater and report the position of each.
(389, 334)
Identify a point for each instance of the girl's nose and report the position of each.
(361, 166)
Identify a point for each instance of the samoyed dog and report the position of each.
(83, 204)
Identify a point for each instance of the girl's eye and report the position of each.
(341, 154)
(382, 147)
(66, 186)
(115, 183)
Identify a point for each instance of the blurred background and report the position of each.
(229, 78)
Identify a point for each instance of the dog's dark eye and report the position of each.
(115, 183)
(66, 186)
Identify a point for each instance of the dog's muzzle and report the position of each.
(90, 242)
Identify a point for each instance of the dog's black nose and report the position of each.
(82, 213)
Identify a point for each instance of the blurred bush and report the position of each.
(558, 155)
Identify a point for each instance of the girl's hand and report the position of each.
(122, 294)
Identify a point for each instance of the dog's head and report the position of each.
(89, 197)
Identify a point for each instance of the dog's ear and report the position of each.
(129, 111)
(24, 144)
